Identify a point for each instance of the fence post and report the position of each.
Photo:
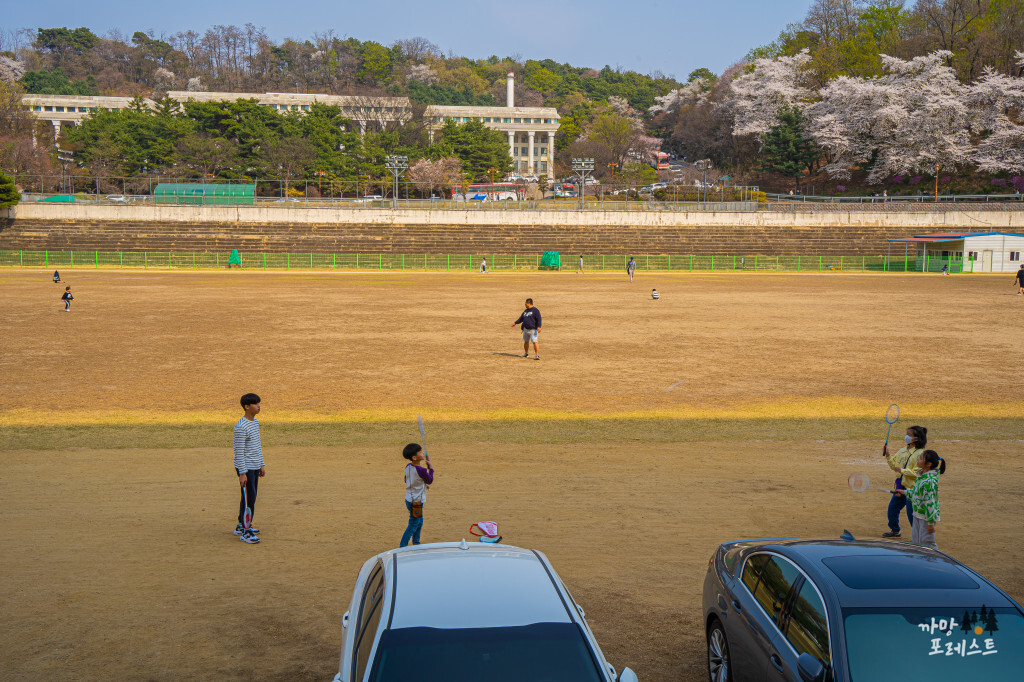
(734, 263)
(424, 262)
(120, 259)
(648, 263)
(357, 261)
(538, 261)
(712, 263)
(216, 258)
(448, 258)
(380, 261)
(97, 259)
(145, 260)
(311, 261)
(264, 261)
(863, 263)
(798, 263)
(819, 263)
(670, 262)
(287, 261)
(691, 262)
(602, 262)
(21, 258)
(840, 264)
(776, 263)
(403, 261)
(72, 258)
(334, 261)
(46, 258)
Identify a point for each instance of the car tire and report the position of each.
(719, 664)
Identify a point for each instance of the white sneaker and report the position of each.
(239, 530)
(249, 538)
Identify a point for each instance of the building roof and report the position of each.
(953, 237)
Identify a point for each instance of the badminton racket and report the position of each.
(860, 483)
(423, 432)
(892, 415)
(247, 514)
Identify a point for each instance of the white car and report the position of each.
(119, 198)
(467, 612)
(368, 198)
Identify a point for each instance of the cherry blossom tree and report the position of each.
(998, 104)
(773, 84)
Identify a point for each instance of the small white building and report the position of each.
(962, 251)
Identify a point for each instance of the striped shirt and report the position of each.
(654, 294)
(248, 451)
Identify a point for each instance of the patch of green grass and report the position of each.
(524, 431)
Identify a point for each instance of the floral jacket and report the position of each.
(925, 496)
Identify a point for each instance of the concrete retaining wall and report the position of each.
(479, 231)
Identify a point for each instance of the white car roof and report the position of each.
(478, 587)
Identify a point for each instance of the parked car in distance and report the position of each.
(119, 198)
(842, 610)
(467, 612)
(368, 198)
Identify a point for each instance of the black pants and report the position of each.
(252, 480)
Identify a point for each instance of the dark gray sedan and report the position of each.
(837, 610)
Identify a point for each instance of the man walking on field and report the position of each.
(631, 268)
(530, 319)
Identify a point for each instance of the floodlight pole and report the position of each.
(65, 158)
(582, 168)
(397, 165)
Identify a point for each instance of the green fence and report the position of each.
(191, 260)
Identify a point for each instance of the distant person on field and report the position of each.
(654, 294)
(1019, 279)
(417, 481)
(248, 464)
(945, 269)
(579, 268)
(904, 463)
(67, 298)
(924, 496)
(530, 319)
(483, 266)
(631, 267)
(56, 277)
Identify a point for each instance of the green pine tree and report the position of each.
(785, 148)
(9, 194)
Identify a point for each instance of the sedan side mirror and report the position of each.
(627, 675)
(810, 668)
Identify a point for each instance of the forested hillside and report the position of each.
(837, 99)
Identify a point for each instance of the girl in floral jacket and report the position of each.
(925, 498)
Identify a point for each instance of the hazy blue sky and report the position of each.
(643, 35)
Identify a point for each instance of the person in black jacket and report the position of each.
(530, 319)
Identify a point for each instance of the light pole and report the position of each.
(582, 168)
(704, 165)
(397, 165)
(936, 183)
(65, 158)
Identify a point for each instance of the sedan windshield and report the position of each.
(934, 644)
(555, 652)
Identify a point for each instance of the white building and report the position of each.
(531, 130)
(365, 110)
(963, 252)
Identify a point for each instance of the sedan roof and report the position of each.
(876, 573)
(477, 587)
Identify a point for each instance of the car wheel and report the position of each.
(719, 669)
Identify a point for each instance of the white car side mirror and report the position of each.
(628, 675)
(344, 620)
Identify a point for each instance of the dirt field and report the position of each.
(736, 406)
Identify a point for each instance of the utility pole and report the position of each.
(65, 157)
(397, 165)
(936, 183)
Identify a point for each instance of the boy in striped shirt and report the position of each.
(248, 464)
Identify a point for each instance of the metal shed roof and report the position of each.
(953, 237)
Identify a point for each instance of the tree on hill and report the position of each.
(786, 148)
(56, 82)
(478, 148)
(9, 194)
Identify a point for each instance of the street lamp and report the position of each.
(65, 158)
(397, 165)
(704, 165)
(582, 168)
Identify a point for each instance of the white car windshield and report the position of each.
(555, 652)
(934, 644)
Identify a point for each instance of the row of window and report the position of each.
(525, 151)
(71, 109)
(542, 166)
(971, 255)
(496, 119)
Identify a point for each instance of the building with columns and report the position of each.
(368, 111)
(531, 130)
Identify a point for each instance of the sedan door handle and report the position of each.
(736, 605)
(777, 662)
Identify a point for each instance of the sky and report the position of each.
(671, 36)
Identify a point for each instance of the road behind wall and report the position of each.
(854, 232)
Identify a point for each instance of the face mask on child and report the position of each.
(908, 439)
